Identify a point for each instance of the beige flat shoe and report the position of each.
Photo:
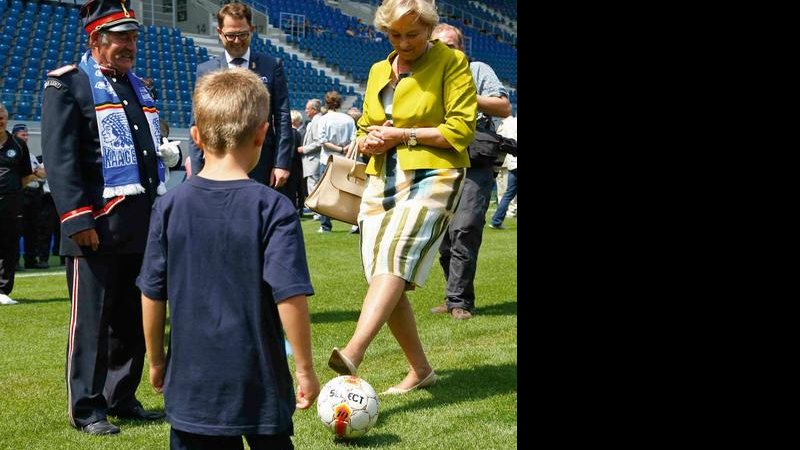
(341, 364)
(430, 380)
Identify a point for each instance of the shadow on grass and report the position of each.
(508, 308)
(370, 440)
(335, 316)
(23, 301)
(123, 422)
(462, 385)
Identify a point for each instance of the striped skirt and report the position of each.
(404, 215)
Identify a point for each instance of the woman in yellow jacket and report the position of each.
(419, 117)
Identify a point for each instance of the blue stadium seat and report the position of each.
(24, 107)
(29, 84)
(8, 96)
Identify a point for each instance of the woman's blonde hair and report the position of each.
(229, 106)
(391, 11)
(297, 118)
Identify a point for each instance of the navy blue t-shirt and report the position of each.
(225, 253)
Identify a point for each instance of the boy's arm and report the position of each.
(154, 314)
(297, 325)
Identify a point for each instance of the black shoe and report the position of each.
(136, 413)
(41, 265)
(99, 428)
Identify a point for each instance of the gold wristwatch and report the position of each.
(412, 137)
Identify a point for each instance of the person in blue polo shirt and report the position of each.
(227, 254)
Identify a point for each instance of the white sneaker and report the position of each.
(315, 217)
(6, 300)
(323, 230)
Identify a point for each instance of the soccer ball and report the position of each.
(348, 406)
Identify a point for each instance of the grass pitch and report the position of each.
(473, 406)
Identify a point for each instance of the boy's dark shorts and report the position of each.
(181, 440)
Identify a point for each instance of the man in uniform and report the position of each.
(235, 31)
(460, 246)
(15, 172)
(100, 138)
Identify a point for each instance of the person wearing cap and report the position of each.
(31, 206)
(102, 146)
(15, 172)
(235, 29)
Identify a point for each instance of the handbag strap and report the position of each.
(354, 155)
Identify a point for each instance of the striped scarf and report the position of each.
(120, 165)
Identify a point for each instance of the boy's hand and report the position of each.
(157, 377)
(307, 389)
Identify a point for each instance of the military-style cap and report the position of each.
(19, 127)
(108, 15)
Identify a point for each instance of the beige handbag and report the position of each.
(338, 192)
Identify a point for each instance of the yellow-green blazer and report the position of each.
(440, 93)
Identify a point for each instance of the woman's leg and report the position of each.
(404, 328)
(386, 302)
(382, 297)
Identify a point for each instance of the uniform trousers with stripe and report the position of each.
(105, 348)
(458, 253)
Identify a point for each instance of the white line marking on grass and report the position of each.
(40, 274)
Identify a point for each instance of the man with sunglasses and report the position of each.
(235, 31)
(102, 147)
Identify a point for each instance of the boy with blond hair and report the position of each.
(227, 254)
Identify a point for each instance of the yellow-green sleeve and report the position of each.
(460, 104)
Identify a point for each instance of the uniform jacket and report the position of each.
(277, 149)
(440, 93)
(71, 151)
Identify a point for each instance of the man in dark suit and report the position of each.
(235, 31)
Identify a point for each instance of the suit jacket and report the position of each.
(277, 150)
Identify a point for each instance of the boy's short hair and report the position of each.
(229, 106)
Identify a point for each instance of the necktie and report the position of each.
(238, 62)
